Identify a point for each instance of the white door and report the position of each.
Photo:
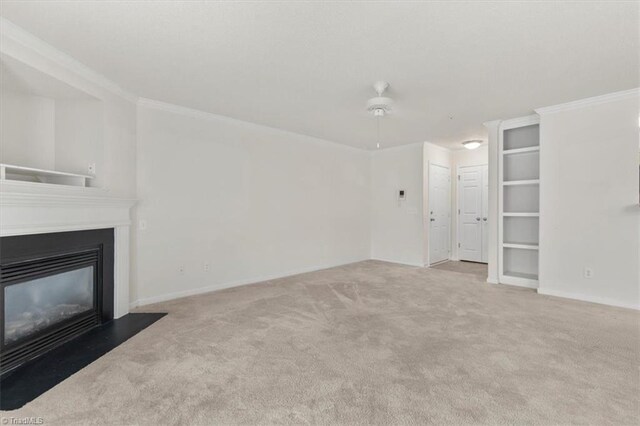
(439, 213)
(485, 213)
(470, 188)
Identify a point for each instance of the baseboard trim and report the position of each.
(591, 299)
(399, 262)
(237, 283)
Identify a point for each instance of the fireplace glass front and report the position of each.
(53, 288)
(35, 305)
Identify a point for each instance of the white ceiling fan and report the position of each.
(380, 105)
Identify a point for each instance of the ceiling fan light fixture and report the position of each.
(378, 112)
(379, 106)
(473, 144)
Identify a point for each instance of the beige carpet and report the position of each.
(368, 343)
(464, 267)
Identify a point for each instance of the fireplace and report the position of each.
(54, 287)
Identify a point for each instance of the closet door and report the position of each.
(440, 213)
(470, 188)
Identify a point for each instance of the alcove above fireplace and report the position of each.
(54, 287)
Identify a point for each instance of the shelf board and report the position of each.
(30, 171)
(521, 150)
(519, 279)
(9, 172)
(505, 214)
(521, 182)
(522, 275)
(520, 246)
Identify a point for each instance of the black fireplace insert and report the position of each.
(53, 287)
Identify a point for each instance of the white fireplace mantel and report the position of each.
(24, 211)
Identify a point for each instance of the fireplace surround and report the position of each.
(29, 211)
(53, 287)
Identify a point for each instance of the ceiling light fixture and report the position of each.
(379, 106)
(472, 144)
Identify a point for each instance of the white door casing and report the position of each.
(485, 213)
(439, 213)
(470, 188)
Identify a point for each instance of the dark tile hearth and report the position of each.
(32, 379)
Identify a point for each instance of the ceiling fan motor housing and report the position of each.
(380, 105)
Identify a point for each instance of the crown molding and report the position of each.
(595, 100)
(11, 31)
(493, 124)
(203, 115)
(527, 120)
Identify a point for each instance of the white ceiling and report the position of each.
(307, 67)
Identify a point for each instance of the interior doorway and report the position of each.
(473, 213)
(439, 213)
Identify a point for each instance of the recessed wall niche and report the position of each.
(48, 124)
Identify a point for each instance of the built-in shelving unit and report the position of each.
(10, 172)
(52, 132)
(519, 201)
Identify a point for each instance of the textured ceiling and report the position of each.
(307, 67)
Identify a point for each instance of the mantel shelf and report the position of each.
(9, 172)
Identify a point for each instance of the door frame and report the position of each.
(428, 218)
(458, 169)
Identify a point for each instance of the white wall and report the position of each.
(27, 126)
(432, 154)
(589, 212)
(396, 227)
(462, 158)
(78, 135)
(118, 172)
(252, 202)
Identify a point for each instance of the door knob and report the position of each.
(478, 219)
(433, 220)
(484, 218)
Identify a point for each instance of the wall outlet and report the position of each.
(181, 269)
(588, 273)
(92, 168)
(206, 267)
